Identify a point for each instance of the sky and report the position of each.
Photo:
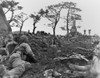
(90, 15)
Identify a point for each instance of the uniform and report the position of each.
(26, 49)
(17, 66)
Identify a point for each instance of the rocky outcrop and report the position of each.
(4, 26)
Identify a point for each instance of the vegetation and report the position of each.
(58, 56)
(36, 19)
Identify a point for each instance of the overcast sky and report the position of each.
(90, 14)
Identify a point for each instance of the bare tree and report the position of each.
(19, 20)
(36, 18)
(52, 13)
(71, 14)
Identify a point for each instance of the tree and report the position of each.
(52, 13)
(71, 14)
(10, 6)
(19, 20)
(36, 18)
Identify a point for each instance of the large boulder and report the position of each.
(4, 26)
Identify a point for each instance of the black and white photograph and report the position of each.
(49, 39)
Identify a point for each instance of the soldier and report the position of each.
(17, 58)
(26, 49)
(16, 66)
(23, 46)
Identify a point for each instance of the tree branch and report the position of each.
(7, 11)
(25, 19)
(11, 17)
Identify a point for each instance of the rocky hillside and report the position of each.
(57, 56)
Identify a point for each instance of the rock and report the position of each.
(4, 26)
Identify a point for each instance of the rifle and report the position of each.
(80, 48)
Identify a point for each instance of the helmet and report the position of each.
(23, 38)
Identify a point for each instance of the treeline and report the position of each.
(51, 13)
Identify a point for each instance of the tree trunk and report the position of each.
(21, 29)
(54, 28)
(54, 42)
(67, 22)
(11, 19)
(54, 33)
(34, 27)
(67, 28)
